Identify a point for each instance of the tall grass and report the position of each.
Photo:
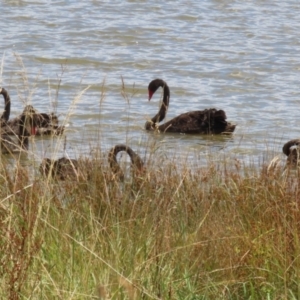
(216, 232)
(166, 234)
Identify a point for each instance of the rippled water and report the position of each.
(240, 56)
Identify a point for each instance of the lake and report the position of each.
(91, 63)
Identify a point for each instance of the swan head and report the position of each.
(28, 123)
(29, 109)
(3, 90)
(153, 86)
(151, 126)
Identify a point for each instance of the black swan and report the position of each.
(47, 123)
(208, 121)
(292, 154)
(27, 125)
(64, 168)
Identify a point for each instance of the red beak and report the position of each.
(33, 130)
(150, 94)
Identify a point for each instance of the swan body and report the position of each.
(47, 123)
(27, 127)
(64, 168)
(293, 155)
(208, 121)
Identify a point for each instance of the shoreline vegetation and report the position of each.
(220, 231)
(166, 233)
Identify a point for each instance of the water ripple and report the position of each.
(242, 57)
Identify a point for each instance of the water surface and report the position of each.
(240, 56)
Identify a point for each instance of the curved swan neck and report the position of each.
(286, 147)
(156, 83)
(112, 159)
(6, 113)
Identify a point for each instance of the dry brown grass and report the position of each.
(168, 234)
(215, 232)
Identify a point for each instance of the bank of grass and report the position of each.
(166, 234)
(217, 232)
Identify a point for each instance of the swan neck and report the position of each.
(112, 158)
(6, 113)
(164, 106)
(114, 165)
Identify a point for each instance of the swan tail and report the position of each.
(218, 123)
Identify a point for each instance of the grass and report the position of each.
(216, 232)
(168, 234)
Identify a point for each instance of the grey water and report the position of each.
(91, 62)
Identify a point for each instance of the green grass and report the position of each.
(168, 234)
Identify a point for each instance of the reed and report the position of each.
(168, 233)
(224, 231)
